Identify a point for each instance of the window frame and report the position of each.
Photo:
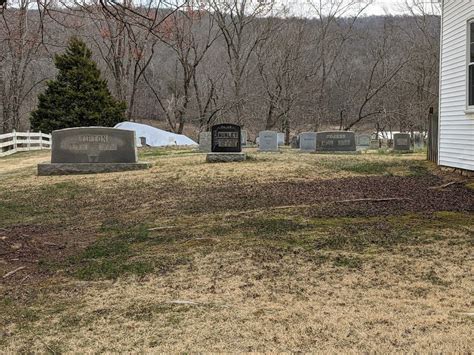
(469, 63)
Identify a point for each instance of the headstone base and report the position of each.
(47, 169)
(225, 157)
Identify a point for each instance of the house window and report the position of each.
(471, 65)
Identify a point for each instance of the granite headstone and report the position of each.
(93, 145)
(205, 142)
(363, 141)
(295, 142)
(281, 138)
(268, 141)
(226, 138)
(401, 142)
(88, 150)
(244, 135)
(308, 141)
(337, 141)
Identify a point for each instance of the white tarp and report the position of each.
(155, 137)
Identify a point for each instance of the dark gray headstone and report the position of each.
(308, 141)
(93, 145)
(268, 141)
(337, 141)
(226, 138)
(205, 143)
(295, 142)
(401, 141)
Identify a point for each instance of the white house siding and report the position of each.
(456, 127)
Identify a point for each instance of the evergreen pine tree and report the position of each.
(78, 97)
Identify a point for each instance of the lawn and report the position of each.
(283, 252)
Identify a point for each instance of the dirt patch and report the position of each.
(30, 246)
(323, 197)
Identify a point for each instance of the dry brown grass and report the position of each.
(272, 278)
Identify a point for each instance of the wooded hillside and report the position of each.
(235, 61)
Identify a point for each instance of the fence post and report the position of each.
(28, 143)
(14, 140)
(41, 140)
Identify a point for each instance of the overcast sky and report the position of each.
(378, 7)
(382, 7)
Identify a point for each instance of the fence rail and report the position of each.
(23, 141)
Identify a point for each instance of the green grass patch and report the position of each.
(350, 262)
(122, 253)
(370, 167)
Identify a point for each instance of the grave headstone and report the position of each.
(143, 141)
(226, 138)
(308, 141)
(281, 138)
(226, 144)
(87, 150)
(337, 141)
(401, 142)
(244, 134)
(268, 141)
(205, 141)
(363, 141)
(419, 141)
(295, 142)
(374, 144)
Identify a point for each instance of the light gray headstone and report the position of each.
(268, 141)
(281, 138)
(205, 141)
(336, 141)
(93, 145)
(401, 141)
(308, 141)
(244, 136)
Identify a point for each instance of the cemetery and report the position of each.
(282, 245)
(236, 177)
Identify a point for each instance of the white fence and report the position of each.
(23, 141)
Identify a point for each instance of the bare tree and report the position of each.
(20, 39)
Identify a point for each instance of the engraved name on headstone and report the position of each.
(93, 145)
(226, 138)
